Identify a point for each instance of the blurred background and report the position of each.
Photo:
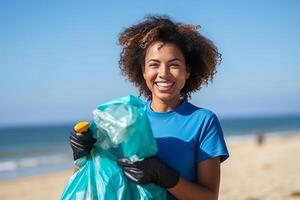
(59, 61)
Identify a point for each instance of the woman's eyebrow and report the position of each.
(153, 60)
(175, 59)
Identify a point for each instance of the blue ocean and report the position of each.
(30, 150)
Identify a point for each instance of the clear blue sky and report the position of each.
(59, 59)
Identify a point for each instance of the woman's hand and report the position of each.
(81, 143)
(149, 170)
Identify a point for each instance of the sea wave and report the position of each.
(32, 165)
(10, 165)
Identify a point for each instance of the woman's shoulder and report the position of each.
(199, 110)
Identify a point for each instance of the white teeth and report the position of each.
(164, 84)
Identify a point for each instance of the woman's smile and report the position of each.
(164, 86)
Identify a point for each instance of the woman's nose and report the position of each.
(163, 71)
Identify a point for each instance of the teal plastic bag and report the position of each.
(122, 129)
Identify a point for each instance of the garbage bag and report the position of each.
(122, 129)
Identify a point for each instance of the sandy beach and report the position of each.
(253, 172)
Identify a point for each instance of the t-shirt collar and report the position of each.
(150, 111)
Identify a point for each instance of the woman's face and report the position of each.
(165, 71)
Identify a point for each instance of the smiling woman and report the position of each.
(168, 61)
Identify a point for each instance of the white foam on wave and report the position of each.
(8, 166)
(30, 162)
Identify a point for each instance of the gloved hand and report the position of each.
(81, 143)
(149, 170)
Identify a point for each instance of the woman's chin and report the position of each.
(167, 97)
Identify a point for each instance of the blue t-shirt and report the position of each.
(187, 136)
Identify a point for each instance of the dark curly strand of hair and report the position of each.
(201, 54)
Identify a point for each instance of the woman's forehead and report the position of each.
(164, 50)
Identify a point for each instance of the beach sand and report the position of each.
(253, 172)
(267, 172)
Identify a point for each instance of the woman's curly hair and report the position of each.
(201, 55)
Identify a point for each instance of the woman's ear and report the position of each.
(187, 75)
(143, 71)
(188, 72)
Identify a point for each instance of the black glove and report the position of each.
(150, 170)
(81, 143)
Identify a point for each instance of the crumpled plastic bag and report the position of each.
(122, 129)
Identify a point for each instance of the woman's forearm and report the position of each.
(190, 191)
(75, 169)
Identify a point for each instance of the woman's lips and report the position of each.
(164, 86)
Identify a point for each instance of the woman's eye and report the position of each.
(175, 65)
(154, 65)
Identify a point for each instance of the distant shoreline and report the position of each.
(53, 123)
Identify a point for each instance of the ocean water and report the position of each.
(252, 125)
(34, 149)
(31, 150)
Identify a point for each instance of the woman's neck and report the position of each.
(158, 105)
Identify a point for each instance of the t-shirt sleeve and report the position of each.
(211, 141)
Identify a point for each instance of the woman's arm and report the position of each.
(208, 181)
(152, 170)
